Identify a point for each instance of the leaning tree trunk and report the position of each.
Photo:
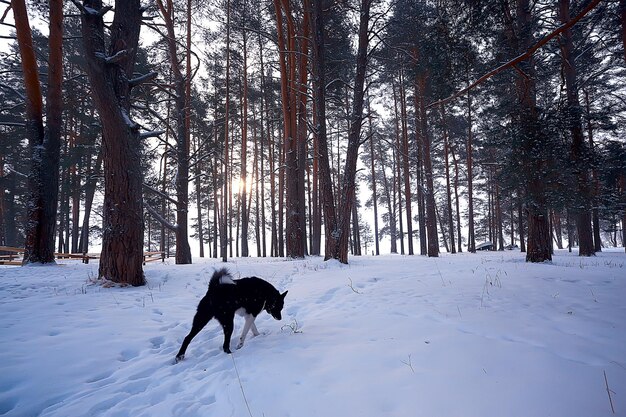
(318, 66)
(43, 180)
(110, 70)
(183, 250)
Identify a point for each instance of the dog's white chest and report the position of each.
(241, 312)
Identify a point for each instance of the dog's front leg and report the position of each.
(246, 327)
(228, 332)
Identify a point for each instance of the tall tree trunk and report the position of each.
(390, 205)
(520, 34)
(121, 259)
(224, 236)
(471, 239)
(578, 148)
(457, 202)
(597, 239)
(446, 148)
(293, 62)
(398, 167)
(182, 103)
(431, 217)
(354, 135)
(374, 179)
(90, 191)
(337, 239)
(244, 150)
(622, 14)
(421, 201)
(316, 217)
(405, 166)
(319, 97)
(43, 180)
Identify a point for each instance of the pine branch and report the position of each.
(142, 79)
(157, 216)
(521, 57)
(165, 196)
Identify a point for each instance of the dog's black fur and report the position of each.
(246, 296)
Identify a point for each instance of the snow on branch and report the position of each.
(157, 192)
(151, 134)
(157, 216)
(91, 11)
(113, 59)
(134, 82)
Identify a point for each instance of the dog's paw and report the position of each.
(179, 358)
(239, 345)
(227, 350)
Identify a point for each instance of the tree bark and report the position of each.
(43, 179)
(121, 259)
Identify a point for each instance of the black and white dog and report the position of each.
(246, 296)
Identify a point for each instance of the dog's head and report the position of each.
(275, 306)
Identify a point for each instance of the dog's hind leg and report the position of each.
(255, 331)
(246, 327)
(199, 321)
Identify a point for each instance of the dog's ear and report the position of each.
(284, 294)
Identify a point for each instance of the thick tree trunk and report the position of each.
(292, 62)
(520, 34)
(43, 180)
(579, 152)
(121, 259)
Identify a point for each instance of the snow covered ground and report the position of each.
(483, 335)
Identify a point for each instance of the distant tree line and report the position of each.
(275, 123)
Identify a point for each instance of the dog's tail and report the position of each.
(221, 276)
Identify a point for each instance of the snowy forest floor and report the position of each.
(480, 335)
